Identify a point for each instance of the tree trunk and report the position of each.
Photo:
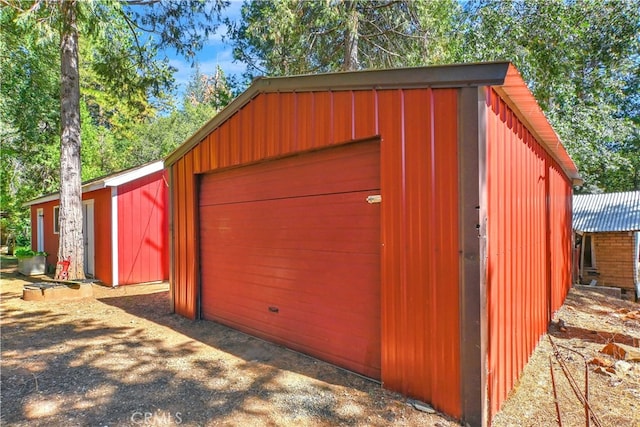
(351, 37)
(71, 238)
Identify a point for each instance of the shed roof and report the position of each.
(502, 76)
(112, 180)
(607, 212)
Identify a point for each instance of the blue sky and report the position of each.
(215, 52)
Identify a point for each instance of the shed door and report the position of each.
(40, 230)
(88, 237)
(290, 252)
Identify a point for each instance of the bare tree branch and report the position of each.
(385, 50)
(141, 2)
(130, 24)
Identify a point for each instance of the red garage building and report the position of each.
(125, 225)
(412, 225)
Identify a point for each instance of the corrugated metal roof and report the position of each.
(607, 212)
(502, 76)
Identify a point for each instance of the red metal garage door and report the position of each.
(290, 251)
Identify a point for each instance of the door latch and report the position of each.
(376, 198)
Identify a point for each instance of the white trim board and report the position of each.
(113, 180)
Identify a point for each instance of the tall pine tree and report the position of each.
(125, 63)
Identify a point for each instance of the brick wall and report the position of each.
(614, 253)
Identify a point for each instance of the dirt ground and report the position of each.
(122, 359)
(591, 320)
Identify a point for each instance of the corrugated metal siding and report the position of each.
(420, 323)
(528, 245)
(560, 255)
(607, 212)
(185, 239)
(143, 230)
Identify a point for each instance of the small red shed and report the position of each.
(412, 225)
(125, 226)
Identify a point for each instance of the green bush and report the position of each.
(26, 252)
(22, 239)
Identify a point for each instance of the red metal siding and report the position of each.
(421, 355)
(324, 117)
(528, 227)
(297, 234)
(184, 252)
(420, 271)
(143, 230)
(560, 209)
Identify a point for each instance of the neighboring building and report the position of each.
(125, 226)
(411, 225)
(608, 239)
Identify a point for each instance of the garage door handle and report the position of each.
(274, 309)
(376, 198)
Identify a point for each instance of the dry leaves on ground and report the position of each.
(592, 321)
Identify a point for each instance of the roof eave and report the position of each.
(607, 230)
(517, 95)
(113, 180)
(43, 199)
(133, 174)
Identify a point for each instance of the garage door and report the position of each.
(290, 252)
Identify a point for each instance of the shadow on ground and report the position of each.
(156, 308)
(127, 360)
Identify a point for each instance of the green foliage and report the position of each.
(100, 155)
(26, 252)
(158, 138)
(580, 59)
(29, 119)
(296, 37)
(182, 25)
(123, 84)
(22, 240)
(121, 72)
(204, 97)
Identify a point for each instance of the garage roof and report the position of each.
(502, 76)
(607, 212)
